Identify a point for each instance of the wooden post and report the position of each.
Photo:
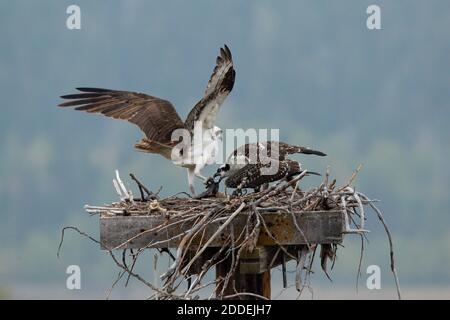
(252, 275)
(258, 283)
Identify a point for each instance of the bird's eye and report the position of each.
(227, 167)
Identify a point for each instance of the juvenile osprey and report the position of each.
(158, 119)
(249, 165)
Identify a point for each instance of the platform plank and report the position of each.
(317, 226)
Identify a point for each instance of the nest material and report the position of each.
(285, 196)
(176, 206)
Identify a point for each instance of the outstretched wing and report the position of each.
(219, 86)
(157, 118)
(223, 74)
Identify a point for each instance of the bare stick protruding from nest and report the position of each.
(391, 244)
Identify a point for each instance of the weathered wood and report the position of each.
(256, 261)
(317, 227)
(254, 283)
(257, 283)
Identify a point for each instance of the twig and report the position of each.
(352, 178)
(391, 245)
(221, 228)
(240, 294)
(358, 274)
(142, 188)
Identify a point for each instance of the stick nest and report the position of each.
(284, 196)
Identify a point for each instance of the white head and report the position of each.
(223, 171)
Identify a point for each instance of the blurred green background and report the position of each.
(310, 68)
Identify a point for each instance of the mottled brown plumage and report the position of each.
(251, 175)
(243, 166)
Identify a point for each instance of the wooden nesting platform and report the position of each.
(253, 273)
(243, 246)
(318, 227)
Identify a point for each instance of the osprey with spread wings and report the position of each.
(158, 119)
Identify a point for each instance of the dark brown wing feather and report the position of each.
(272, 149)
(219, 86)
(157, 118)
(223, 75)
(286, 148)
